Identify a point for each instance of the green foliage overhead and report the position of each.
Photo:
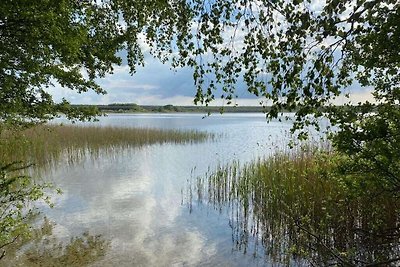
(296, 55)
(43, 42)
(72, 42)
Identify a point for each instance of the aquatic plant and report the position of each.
(302, 208)
(47, 144)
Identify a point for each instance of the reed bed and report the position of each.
(47, 144)
(302, 209)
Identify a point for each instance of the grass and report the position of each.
(304, 209)
(47, 144)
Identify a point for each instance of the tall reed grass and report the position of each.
(46, 144)
(303, 210)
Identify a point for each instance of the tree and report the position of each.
(39, 48)
(300, 57)
(295, 54)
(70, 42)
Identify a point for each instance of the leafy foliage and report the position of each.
(300, 56)
(370, 136)
(43, 42)
(297, 55)
(43, 248)
(71, 43)
(17, 193)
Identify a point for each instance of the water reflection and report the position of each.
(280, 209)
(133, 196)
(43, 248)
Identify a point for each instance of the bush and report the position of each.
(17, 193)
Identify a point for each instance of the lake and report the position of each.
(139, 200)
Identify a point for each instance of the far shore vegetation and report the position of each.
(207, 110)
(135, 108)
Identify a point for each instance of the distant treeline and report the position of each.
(131, 107)
(135, 108)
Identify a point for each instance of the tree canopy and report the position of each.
(296, 55)
(73, 42)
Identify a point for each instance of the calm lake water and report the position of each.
(137, 198)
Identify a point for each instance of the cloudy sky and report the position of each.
(157, 84)
(154, 84)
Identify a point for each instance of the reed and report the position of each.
(302, 209)
(49, 144)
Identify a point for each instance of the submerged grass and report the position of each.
(47, 144)
(42, 248)
(303, 209)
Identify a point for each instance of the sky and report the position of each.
(153, 84)
(157, 84)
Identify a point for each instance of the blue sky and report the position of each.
(153, 84)
(157, 84)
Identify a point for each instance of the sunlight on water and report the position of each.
(134, 197)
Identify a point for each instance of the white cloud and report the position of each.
(355, 98)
